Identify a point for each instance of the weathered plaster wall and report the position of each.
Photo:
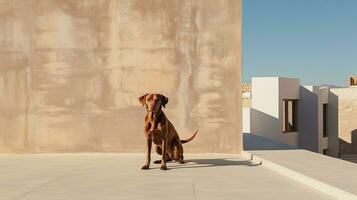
(71, 72)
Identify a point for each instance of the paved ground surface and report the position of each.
(118, 176)
(335, 172)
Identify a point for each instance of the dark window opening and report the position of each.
(353, 81)
(324, 126)
(325, 151)
(289, 116)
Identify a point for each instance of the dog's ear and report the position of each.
(164, 100)
(142, 99)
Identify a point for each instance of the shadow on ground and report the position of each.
(255, 142)
(204, 163)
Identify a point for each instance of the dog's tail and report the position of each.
(189, 139)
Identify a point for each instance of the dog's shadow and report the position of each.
(215, 162)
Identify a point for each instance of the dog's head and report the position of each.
(153, 102)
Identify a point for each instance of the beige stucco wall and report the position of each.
(346, 99)
(71, 72)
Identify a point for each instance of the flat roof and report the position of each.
(118, 176)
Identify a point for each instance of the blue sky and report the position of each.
(314, 40)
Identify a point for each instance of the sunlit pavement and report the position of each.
(119, 176)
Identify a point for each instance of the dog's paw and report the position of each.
(163, 168)
(181, 162)
(157, 162)
(145, 167)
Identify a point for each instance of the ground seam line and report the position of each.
(34, 189)
(193, 190)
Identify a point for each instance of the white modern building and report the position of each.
(316, 118)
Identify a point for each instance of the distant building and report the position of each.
(353, 81)
(246, 90)
(247, 95)
(316, 118)
(247, 87)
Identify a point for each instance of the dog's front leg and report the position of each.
(163, 159)
(148, 154)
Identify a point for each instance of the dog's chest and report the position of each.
(156, 136)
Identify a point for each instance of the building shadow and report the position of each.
(308, 117)
(333, 125)
(214, 162)
(349, 148)
(265, 133)
(252, 141)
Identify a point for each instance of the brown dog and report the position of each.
(158, 129)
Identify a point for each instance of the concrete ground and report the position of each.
(338, 173)
(118, 176)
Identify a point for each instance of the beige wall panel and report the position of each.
(71, 73)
